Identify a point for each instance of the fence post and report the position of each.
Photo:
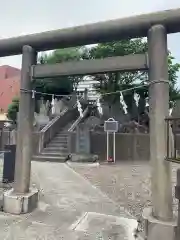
(177, 195)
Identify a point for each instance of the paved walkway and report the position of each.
(69, 208)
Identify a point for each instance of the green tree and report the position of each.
(60, 85)
(13, 110)
(110, 82)
(174, 68)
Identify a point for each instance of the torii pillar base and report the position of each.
(156, 229)
(20, 203)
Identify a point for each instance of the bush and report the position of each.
(13, 109)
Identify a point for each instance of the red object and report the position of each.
(9, 86)
(110, 159)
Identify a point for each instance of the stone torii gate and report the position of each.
(155, 26)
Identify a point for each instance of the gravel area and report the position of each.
(128, 184)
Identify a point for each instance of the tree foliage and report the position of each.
(13, 110)
(107, 82)
(173, 69)
(60, 85)
(110, 82)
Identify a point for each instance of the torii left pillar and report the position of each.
(22, 198)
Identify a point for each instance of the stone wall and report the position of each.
(129, 147)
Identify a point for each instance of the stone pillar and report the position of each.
(82, 140)
(22, 198)
(25, 125)
(159, 110)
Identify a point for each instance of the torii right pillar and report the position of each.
(160, 223)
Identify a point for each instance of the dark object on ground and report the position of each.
(83, 158)
(9, 163)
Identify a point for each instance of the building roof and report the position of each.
(9, 86)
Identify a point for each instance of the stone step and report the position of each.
(44, 158)
(59, 152)
(59, 141)
(56, 144)
(64, 134)
(61, 136)
(55, 149)
(53, 154)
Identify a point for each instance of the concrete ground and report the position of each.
(70, 208)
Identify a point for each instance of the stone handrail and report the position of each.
(71, 132)
(53, 127)
(75, 124)
(53, 121)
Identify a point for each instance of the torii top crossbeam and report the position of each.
(129, 27)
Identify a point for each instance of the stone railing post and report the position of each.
(82, 140)
(41, 142)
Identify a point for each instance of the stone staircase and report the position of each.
(56, 150)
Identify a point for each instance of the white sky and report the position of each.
(24, 17)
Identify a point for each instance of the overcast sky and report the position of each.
(20, 17)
